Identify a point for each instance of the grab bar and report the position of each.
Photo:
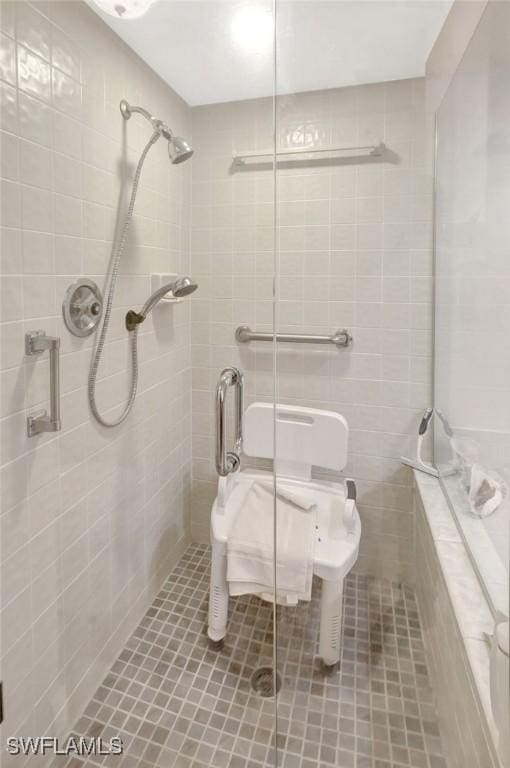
(228, 461)
(341, 338)
(37, 342)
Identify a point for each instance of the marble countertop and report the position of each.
(470, 604)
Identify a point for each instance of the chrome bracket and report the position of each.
(233, 462)
(125, 109)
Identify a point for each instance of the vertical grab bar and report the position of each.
(239, 409)
(35, 343)
(228, 461)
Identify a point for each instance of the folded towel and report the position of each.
(250, 546)
(285, 494)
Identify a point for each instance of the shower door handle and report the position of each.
(37, 342)
(228, 461)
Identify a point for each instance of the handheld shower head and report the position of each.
(183, 286)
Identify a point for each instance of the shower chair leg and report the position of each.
(218, 597)
(331, 621)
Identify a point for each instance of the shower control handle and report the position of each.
(37, 342)
(228, 461)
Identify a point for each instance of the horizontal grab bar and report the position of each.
(340, 339)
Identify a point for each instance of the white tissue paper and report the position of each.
(486, 491)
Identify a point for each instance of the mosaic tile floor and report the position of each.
(178, 704)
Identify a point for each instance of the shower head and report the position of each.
(179, 150)
(179, 288)
(183, 286)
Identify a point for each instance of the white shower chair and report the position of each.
(306, 437)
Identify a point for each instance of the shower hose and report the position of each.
(133, 335)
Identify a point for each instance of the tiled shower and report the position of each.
(354, 251)
(105, 533)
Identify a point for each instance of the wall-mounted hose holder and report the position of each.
(133, 319)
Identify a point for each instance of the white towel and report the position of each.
(250, 546)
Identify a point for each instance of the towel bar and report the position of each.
(371, 150)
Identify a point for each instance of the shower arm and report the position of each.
(127, 110)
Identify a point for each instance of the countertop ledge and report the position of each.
(470, 606)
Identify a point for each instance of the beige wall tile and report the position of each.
(89, 528)
(345, 234)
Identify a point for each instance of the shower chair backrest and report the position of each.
(305, 438)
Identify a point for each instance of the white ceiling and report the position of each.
(216, 50)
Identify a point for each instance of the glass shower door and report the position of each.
(472, 369)
(313, 310)
(233, 256)
(349, 653)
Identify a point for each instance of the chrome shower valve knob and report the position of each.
(82, 307)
